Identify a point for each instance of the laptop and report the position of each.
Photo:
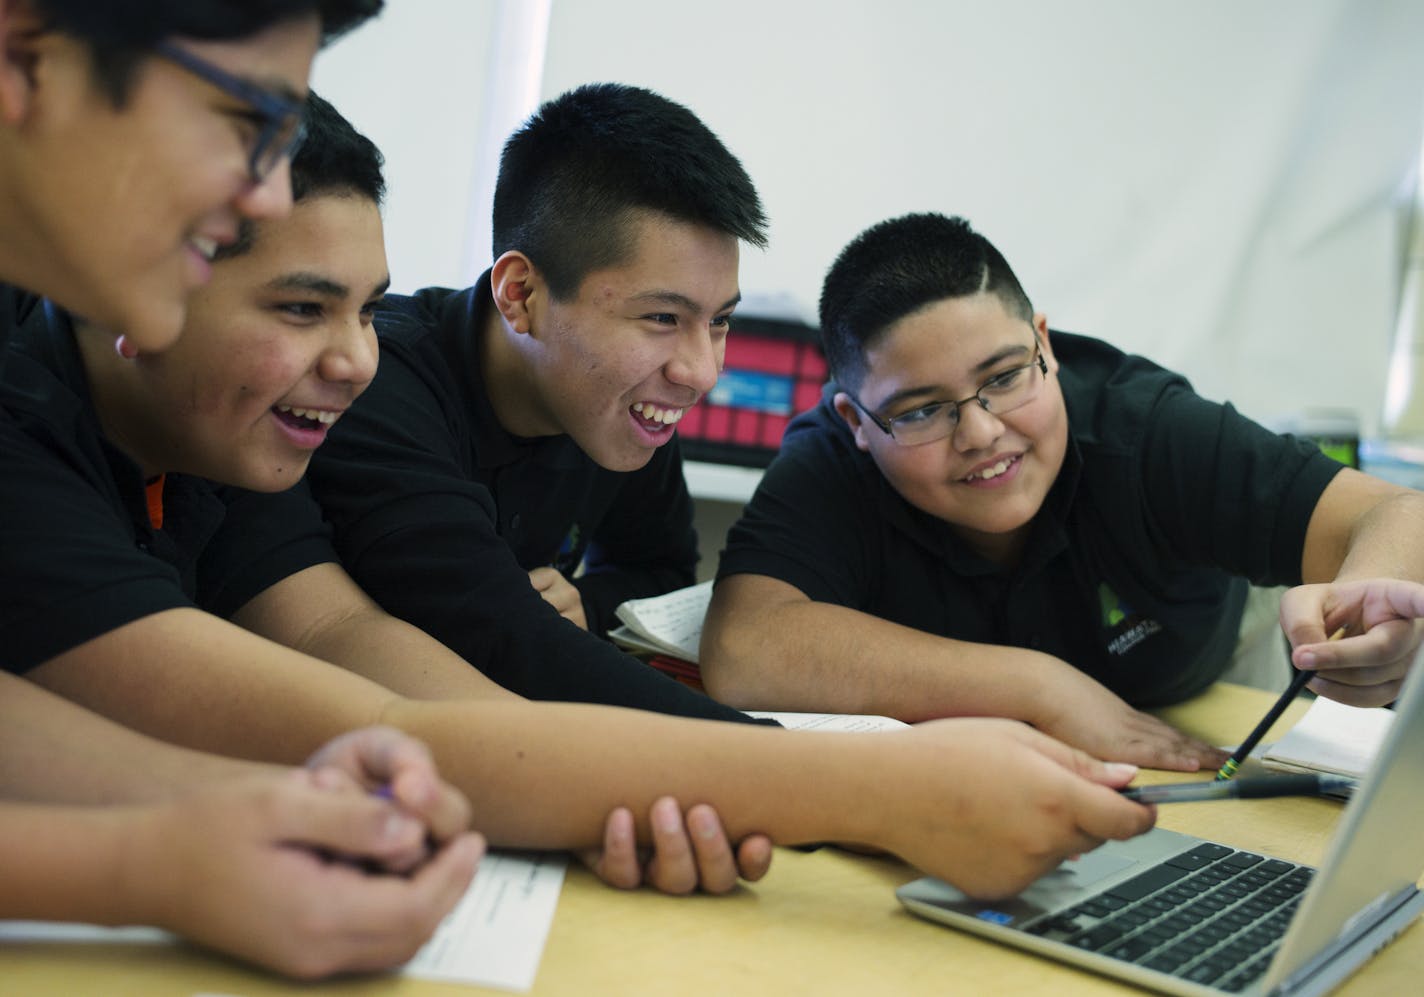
(1182, 915)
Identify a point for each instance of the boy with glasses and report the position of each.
(134, 137)
(984, 517)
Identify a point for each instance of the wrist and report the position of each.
(145, 876)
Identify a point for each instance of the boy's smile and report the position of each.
(990, 476)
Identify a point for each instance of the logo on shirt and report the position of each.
(1126, 628)
(570, 553)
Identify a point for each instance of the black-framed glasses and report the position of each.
(282, 126)
(999, 395)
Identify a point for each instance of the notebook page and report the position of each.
(1332, 737)
(672, 621)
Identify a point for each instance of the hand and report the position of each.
(991, 805)
(245, 869)
(1081, 712)
(383, 758)
(1367, 667)
(684, 856)
(560, 593)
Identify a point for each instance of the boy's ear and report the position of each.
(847, 410)
(1040, 326)
(513, 281)
(21, 29)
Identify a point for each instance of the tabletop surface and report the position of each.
(825, 921)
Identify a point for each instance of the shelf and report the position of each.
(720, 482)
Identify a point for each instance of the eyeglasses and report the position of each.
(282, 128)
(1001, 394)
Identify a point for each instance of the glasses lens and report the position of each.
(1011, 389)
(278, 141)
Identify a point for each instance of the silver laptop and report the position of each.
(1182, 915)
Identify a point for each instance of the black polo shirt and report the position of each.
(440, 514)
(78, 555)
(1136, 566)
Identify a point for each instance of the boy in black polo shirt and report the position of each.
(525, 425)
(985, 517)
(133, 137)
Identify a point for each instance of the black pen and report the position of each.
(1298, 681)
(1255, 787)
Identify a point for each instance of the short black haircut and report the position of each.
(898, 267)
(121, 33)
(334, 158)
(572, 178)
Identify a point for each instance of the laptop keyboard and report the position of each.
(1211, 915)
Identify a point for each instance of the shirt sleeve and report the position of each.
(70, 562)
(419, 535)
(646, 545)
(264, 538)
(810, 523)
(1220, 489)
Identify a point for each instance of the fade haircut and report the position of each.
(334, 158)
(572, 178)
(898, 267)
(122, 33)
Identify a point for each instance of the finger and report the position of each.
(543, 578)
(403, 765)
(673, 868)
(1385, 641)
(441, 806)
(754, 857)
(1353, 695)
(350, 825)
(1155, 744)
(1390, 596)
(618, 864)
(716, 864)
(387, 919)
(1103, 813)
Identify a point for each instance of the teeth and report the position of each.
(208, 247)
(992, 472)
(652, 413)
(316, 415)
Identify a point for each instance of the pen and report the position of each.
(1256, 787)
(1298, 681)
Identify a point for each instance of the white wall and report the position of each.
(1209, 182)
(415, 81)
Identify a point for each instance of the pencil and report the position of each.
(1297, 683)
(1260, 787)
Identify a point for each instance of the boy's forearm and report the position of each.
(67, 864)
(819, 657)
(546, 775)
(56, 752)
(1388, 541)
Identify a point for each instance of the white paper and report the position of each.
(845, 722)
(495, 935)
(672, 621)
(64, 931)
(1332, 737)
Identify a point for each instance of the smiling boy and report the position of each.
(987, 517)
(525, 426)
(133, 137)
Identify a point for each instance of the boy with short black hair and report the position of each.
(133, 136)
(987, 517)
(524, 427)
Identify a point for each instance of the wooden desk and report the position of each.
(824, 922)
